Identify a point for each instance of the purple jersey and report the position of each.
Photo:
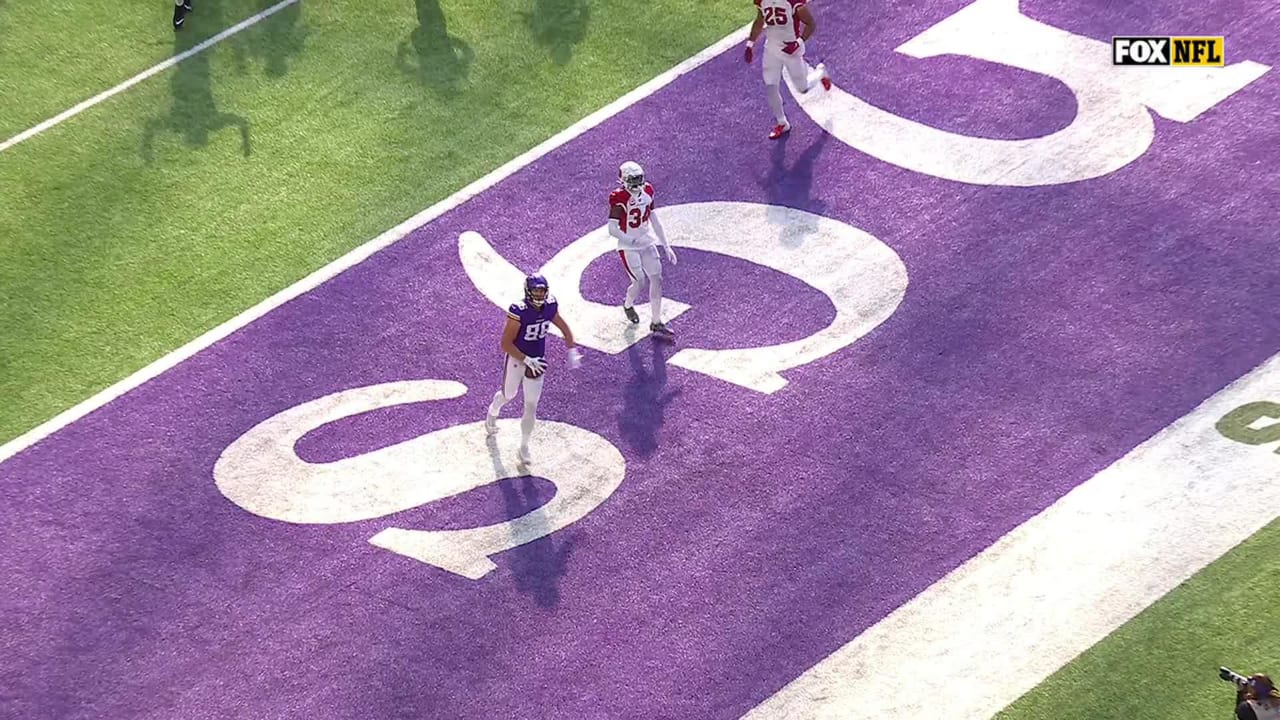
(534, 325)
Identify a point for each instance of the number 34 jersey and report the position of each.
(635, 219)
(535, 322)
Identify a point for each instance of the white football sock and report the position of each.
(774, 96)
(655, 299)
(633, 292)
(495, 407)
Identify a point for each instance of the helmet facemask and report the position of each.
(536, 290)
(631, 175)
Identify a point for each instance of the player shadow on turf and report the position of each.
(558, 25)
(645, 399)
(792, 187)
(275, 40)
(536, 566)
(442, 60)
(193, 113)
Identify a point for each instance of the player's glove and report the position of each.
(750, 53)
(536, 365)
(671, 254)
(575, 358)
(791, 47)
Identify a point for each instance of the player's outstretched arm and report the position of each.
(575, 355)
(662, 237)
(509, 334)
(756, 28)
(806, 19)
(564, 330)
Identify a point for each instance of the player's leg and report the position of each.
(512, 373)
(803, 77)
(652, 266)
(631, 263)
(771, 66)
(532, 394)
(180, 10)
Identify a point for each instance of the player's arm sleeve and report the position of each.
(1245, 712)
(617, 216)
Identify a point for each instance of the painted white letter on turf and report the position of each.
(1112, 127)
(263, 474)
(862, 277)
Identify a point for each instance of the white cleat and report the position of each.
(523, 455)
(490, 425)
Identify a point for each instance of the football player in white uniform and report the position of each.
(787, 25)
(633, 223)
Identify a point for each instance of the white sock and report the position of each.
(655, 299)
(633, 291)
(527, 422)
(774, 96)
(532, 394)
(495, 407)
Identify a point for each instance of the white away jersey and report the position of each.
(781, 25)
(635, 222)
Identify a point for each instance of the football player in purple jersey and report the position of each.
(524, 340)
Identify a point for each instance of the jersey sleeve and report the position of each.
(514, 311)
(619, 197)
(649, 190)
(797, 4)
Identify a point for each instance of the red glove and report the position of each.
(791, 47)
(750, 51)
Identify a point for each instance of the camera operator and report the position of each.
(1257, 698)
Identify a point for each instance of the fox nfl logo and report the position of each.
(1174, 51)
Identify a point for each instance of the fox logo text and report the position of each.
(1181, 51)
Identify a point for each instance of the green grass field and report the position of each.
(151, 218)
(1163, 664)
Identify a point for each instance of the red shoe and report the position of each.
(826, 83)
(779, 130)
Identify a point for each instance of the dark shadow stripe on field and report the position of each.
(558, 25)
(441, 61)
(193, 114)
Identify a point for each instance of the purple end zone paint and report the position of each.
(1045, 332)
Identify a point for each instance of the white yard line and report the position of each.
(362, 252)
(160, 67)
(1001, 623)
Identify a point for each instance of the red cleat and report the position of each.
(826, 83)
(779, 130)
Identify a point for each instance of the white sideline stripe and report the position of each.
(997, 626)
(361, 253)
(161, 67)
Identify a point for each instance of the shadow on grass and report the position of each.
(430, 55)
